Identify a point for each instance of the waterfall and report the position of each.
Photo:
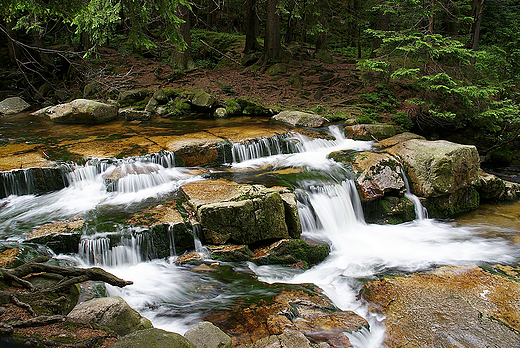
(420, 212)
(98, 251)
(263, 147)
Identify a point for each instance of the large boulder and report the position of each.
(443, 173)
(111, 312)
(202, 99)
(153, 338)
(13, 105)
(207, 335)
(81, 111)
(449, 307)
(300, 119)
(238, 213)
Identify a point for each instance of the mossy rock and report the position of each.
(276, 69)
(291, 251)
(153, 338)
(132, 97)
(388, 210)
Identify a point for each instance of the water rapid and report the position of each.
(175, 298)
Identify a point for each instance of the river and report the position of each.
(175, 298)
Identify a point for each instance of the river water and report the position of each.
(175, 297)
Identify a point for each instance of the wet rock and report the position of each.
(32, 181)
(81, 111)
(231, 253)
(449, 307)
(207, 335)
(235, 213)
(276, 69)
(131, 114)
(377, 174)
(370, 131)
(388, 210)
(112, 176)
(130, 97)
(292, 217)
(443, 172)
(153, 338)
(13, 105)
(293, 316)
(300, 119)
(111, 312)
(62, 236)
(220, 113)
(291, 252)
(492, 188)
(8, 256)
(202, 99)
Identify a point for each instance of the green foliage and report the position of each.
(402, 120)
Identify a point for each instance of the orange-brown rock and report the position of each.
(448, 307)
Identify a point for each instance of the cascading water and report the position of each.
(175, 298)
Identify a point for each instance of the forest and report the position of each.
(442, 68)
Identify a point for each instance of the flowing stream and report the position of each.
(175, 298)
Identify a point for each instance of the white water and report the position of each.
(173, 296)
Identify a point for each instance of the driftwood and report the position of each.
(50, 298)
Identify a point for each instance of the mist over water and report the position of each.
(175, 298)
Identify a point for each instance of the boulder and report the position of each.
(13, 105)
(153, 338)
(296, 81)
(82, 111)
(492, 188)
(449, 307)
(377, 174)
(291, 252)
(443, 172)
(130, 97)
(60, 236)
(207, 335)
(290, 339)
(242, 106)
(111, 312)
(160, 96)
(370, 131)
(237, 213)
(300, 119)
(131, 114)
(202, 99)
(151, 106)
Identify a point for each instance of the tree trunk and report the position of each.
(322, 41)
(383, 23)
(273, 44)
(477, 8)
(431, 17)
(251, 27)
(182, 59)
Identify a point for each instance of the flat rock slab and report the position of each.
(82, 111)
(449, 307)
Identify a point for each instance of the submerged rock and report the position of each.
(241, 214)
(300, 119)
(81, 111)
(449, 307)
(111, 312)
(13, 105)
